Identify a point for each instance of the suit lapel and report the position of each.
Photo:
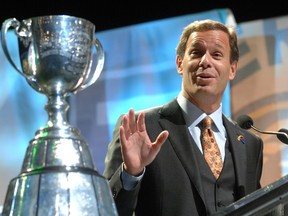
(238, 149)
(181, 142)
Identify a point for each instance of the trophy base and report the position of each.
(59, 191)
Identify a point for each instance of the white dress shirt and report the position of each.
(193, 116)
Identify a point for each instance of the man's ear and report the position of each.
(233, 70)
(179, 65)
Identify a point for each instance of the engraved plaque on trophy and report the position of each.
(58, 175)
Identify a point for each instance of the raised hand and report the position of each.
(137, 149)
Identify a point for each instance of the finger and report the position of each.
(141, 122)
(131, 121)
(122, 136)
(125, 126)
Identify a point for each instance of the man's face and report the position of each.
(206, 67)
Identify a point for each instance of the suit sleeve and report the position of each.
(125, 200)
(254, 153)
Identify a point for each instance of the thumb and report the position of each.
(162, 137)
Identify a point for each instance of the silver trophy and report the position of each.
(58, 175)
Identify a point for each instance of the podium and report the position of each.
(270, 200)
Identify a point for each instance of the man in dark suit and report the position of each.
(155, 164)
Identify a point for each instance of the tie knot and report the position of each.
(207, 122)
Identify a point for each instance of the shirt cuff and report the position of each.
(130, 182)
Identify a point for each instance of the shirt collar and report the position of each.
(193, 115)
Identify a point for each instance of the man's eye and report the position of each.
(195, 52)
(217, 55)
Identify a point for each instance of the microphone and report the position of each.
(281, 137)
(246, 122)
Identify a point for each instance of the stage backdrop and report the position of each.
(261, 87)
(140, 72)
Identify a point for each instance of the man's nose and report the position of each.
(205, 60)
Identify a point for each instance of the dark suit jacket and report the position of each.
(171, 184)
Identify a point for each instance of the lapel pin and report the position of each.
(241, 138)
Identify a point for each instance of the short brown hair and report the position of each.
(206, 25)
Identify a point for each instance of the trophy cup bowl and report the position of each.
(58, 175)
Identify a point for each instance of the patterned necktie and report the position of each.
(210, 147)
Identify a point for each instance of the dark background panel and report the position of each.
(113, 14)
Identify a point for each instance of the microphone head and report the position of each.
(282, 136)
(245, 122)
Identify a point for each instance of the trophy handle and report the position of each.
(99, 66)
(14, 23)
(11, 23)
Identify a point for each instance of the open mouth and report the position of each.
(203, 75)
